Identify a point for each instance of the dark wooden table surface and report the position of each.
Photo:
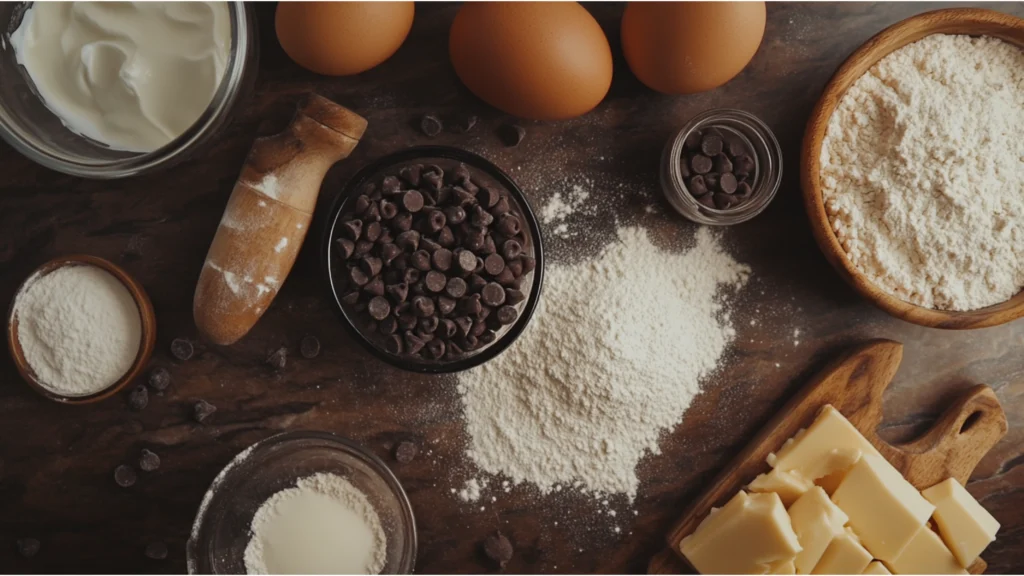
(56, 461)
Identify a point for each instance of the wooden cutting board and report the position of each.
(854, 384)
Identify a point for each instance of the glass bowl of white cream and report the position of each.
(116, 89)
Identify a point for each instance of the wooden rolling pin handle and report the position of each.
(268, 216)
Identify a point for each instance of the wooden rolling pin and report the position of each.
(267, 217)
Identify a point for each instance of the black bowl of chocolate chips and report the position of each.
(434, 259)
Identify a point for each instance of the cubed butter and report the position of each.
(829, 445)
(832, 481)
(845, 555)
(783, 567)
(876, 567)
(884, 509)
(749, 535)
(816, 521)
(926, 554)
(965, 527)
(788, 485)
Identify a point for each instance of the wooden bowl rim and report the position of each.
(146, 315)
(951, 21)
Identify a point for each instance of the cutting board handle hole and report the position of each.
(970, 421)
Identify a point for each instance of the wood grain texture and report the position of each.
(949, 21)
(147, 330)
(854, 384)
(797, 314)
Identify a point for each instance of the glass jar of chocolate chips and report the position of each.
(722, 168)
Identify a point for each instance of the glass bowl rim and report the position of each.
(474, 161)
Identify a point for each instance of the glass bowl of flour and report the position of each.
(116, 90)
(303, 502)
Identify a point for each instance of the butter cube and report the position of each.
(816, 521)
(783, 567)
(832, 481)
(788, 485)
(876, 567)
(926, 554)
(884, 509)
(845, 555)
(749, 535)
(965, 527)
(829, 445)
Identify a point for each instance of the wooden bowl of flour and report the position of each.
(973, 22)
(146, 316)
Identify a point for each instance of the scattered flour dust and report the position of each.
(322, 525)
(612, 359)
(922, 172)
(561, 206)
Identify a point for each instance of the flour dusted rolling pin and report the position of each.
(267, 217)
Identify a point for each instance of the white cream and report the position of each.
(133, 76)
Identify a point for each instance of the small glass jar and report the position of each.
(32, 129)
(767, 156)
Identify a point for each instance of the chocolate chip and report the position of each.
(466, 260)
(390, 186)
(393, 344)
(351, 298)
(431, 125)
(372, 215)
(476, 283)
(707, 200)
(363, 248)
(429, 324)
(511, 249)
(148, 461)
(357, 276)
(412, 200)
(353, 229)
(156, 551)
(723, 164)
(401, 222)
(700, 164)
(346, 247)
(420, 260)
(406, 451)
(475, 239)
(513, 297)
(371, 265)
(455, 214)
(388, 325)
(488, 197)
(202, 410)
(411, 174)
(159, 379)
(181, 349)
(481, 218)
(28, 547)
(711, 145)
(385, 237)
(436, 348)
(435, 281)
(423, 306)
(736, 147)
(125, 476)
(516, 266)
(442, 259)
(509, 225)
(471, 305)
(388, 252)
(412, 275)
(511, 134)
(388, 210)
(464, 324)
(529, 263)
(488, 247)
(506, 315)
(501, 208)
(744, 165)
(413, 343)
(494, 264)
(379, 308)
(464, 198)
(697, 186)
(138, 399)
(711, 179)
(445, 305)
(743, 190)
(397, 292)
(479, 328)
(447, 327)
(506, 278)
(456, 287)
(470, 342)
(446, 237)
(278, 358)
(487, 338)
(727, 183)
(493, 294)
(408, 240)
(373, 230)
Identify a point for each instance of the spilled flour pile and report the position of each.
(612, 358)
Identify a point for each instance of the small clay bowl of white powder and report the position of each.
(304, 503)
(80, 329)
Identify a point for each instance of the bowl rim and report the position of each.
(233, 88)
(346, 193)
(350, 447)
(147, 337)
(969, 21)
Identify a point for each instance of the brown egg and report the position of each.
(342, 38)
(686, 47)
(536, 60)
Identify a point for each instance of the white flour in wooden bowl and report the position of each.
(922, 172)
